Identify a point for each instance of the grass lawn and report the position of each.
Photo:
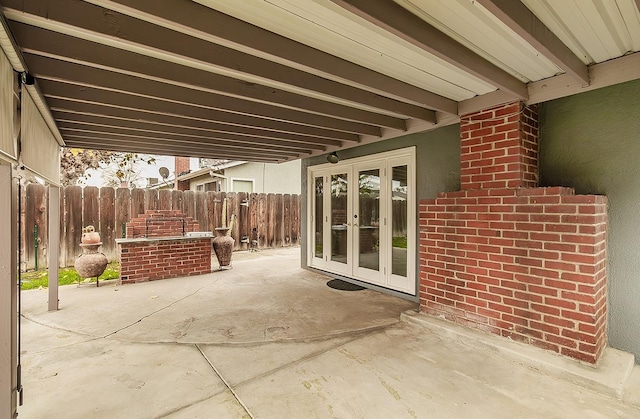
(66, 276)
(400, 241)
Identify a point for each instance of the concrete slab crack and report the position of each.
(158, 310)
(233, 392)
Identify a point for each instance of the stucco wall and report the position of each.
(437, 166)
(269, 178)
(592, 142)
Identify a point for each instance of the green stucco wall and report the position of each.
(437, 166)
(591, 142)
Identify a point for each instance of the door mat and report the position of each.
(339, 284)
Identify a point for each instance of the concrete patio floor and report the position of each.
(267, 339)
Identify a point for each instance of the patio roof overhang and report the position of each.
(281, 80)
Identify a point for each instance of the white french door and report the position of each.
(362, 219)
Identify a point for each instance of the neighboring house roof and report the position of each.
(200, 172)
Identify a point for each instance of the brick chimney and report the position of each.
(508, 257)
(183, 166)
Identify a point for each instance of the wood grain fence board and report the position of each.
(177, 200)
(295, 219)
(243, 221)
(262, 220)
(189, 204)
(210, 197)
(217, 208)
(137, 203)
(73, 222)
(62, 256)
(43, 227)
(35, 211)
(253, 220)
(278, 215)
(286, 219)
(28, 216)
(201, 210)
(271, 220)
(151, 199)
(91, 207)
(23, 227)
(108, 222)
(232, 210)
(123, 210)
(164, 199)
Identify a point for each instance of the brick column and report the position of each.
(499, 148)
(507, 257)
(183, 165)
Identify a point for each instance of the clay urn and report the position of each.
(90, 235)
(223, 247)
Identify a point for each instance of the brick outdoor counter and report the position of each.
(156, 248)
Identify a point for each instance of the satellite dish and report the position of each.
(164, 172)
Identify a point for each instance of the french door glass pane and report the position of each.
(339, 190)
(399, 193)
(318, 216)
(369, 219)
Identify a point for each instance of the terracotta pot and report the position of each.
(90, 235)
(91, 263)
(223, 247)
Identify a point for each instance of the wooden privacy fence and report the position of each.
(262, 220)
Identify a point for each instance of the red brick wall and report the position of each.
(160, 223)
(154, 259)
(499, 148)
(503, 256)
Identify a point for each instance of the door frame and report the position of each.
(387, 160)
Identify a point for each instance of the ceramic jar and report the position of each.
(90, 235)
(91, 263)
(223, 247)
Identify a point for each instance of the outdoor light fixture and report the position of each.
(333, 158)
(27, 78)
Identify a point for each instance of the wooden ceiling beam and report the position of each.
(65, 118)
(109, 113)
(135, 144)
(402, 23)
(97, 144)
(133, 34)
(40, 41)
(199, 20)
(169, 138)
(522, 21)
(49, 68)
(127, 101)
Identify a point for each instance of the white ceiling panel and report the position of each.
(463, 20)
(330, 28)
(595, 30)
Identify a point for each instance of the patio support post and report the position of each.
(8, 293)
(54, 245)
